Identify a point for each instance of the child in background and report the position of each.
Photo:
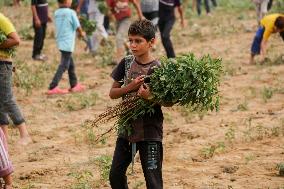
(8, 106)
(96, 15)
(150, 10)
(40, 19)
(166, 22)
(198, 6)
(147, 131)
(261, 9)
(66, 24)
(6, 167)
(273, 23)
(122, 13)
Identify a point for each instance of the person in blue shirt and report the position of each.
(66, 24)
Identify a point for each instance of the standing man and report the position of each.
(166, 22)
(40, 19)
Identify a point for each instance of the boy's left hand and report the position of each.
(49, 19)
(144, 92)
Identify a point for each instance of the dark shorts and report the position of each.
(8, 106)
(256, 44)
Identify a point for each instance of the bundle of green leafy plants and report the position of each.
(102, 6)
(10, 51)
(89, 26)
(184, 81)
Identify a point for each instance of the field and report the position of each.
(241, 146)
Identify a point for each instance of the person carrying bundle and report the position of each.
(147, 131)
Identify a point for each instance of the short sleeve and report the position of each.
(6, 25)
(118, 72)
(75, 20)
(33, 2)
(177, 3)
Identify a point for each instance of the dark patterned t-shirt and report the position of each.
(41, 9)
(150, 126)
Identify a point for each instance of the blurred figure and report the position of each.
(150, 10)
(96, 15)
(261, 9)
(122, 13)
(166, 22)
(198, 6)
(40, 19)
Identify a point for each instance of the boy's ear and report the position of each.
(153, 41)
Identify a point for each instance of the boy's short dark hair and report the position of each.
(61, 1)
(279, 22)
(143, 28)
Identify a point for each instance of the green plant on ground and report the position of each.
(104, 163)
(249, 158)
(83, 179)
(208, 152)
(267, 93)
(243, 106)
(78, 101)
(230, 135)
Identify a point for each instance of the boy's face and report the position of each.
(139, 45)
(68, 3)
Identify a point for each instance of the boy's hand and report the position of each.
(49, 18)
(135, 83)
(144, 92)
(37, 23)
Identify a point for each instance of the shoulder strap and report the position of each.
(128, 62)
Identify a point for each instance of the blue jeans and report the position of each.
(256, 44)
(66, 63)
(8, 106)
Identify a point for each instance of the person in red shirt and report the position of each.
(122, 13)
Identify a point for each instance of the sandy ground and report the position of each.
(238, 147)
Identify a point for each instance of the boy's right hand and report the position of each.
(37, 23)
(135, 83)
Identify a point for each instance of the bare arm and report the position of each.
(79, 6)
(35, 16)
(136, 4)
(12, 40)
(180, 11)
(118, 91)
(81, 32)
(263, 47)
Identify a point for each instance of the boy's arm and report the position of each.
(180, 11)
(263, 47)
(136, 4)
(117, 91)
(81, 32)
(12, 40)
(35, 16)
(79, 6)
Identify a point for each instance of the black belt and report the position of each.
(2, 62)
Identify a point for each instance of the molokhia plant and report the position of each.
(184, 81)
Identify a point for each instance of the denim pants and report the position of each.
(165, 27)
(198, 6)
(256, 44)
(8, 106)
(38, 39)
(151, 157)
(66, 63)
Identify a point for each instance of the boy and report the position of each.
(66, 24)
(40, 19)
(147, 131)
(166, 22)
(122, 13)
(273, 23)
(96, 15)
(8, 104)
